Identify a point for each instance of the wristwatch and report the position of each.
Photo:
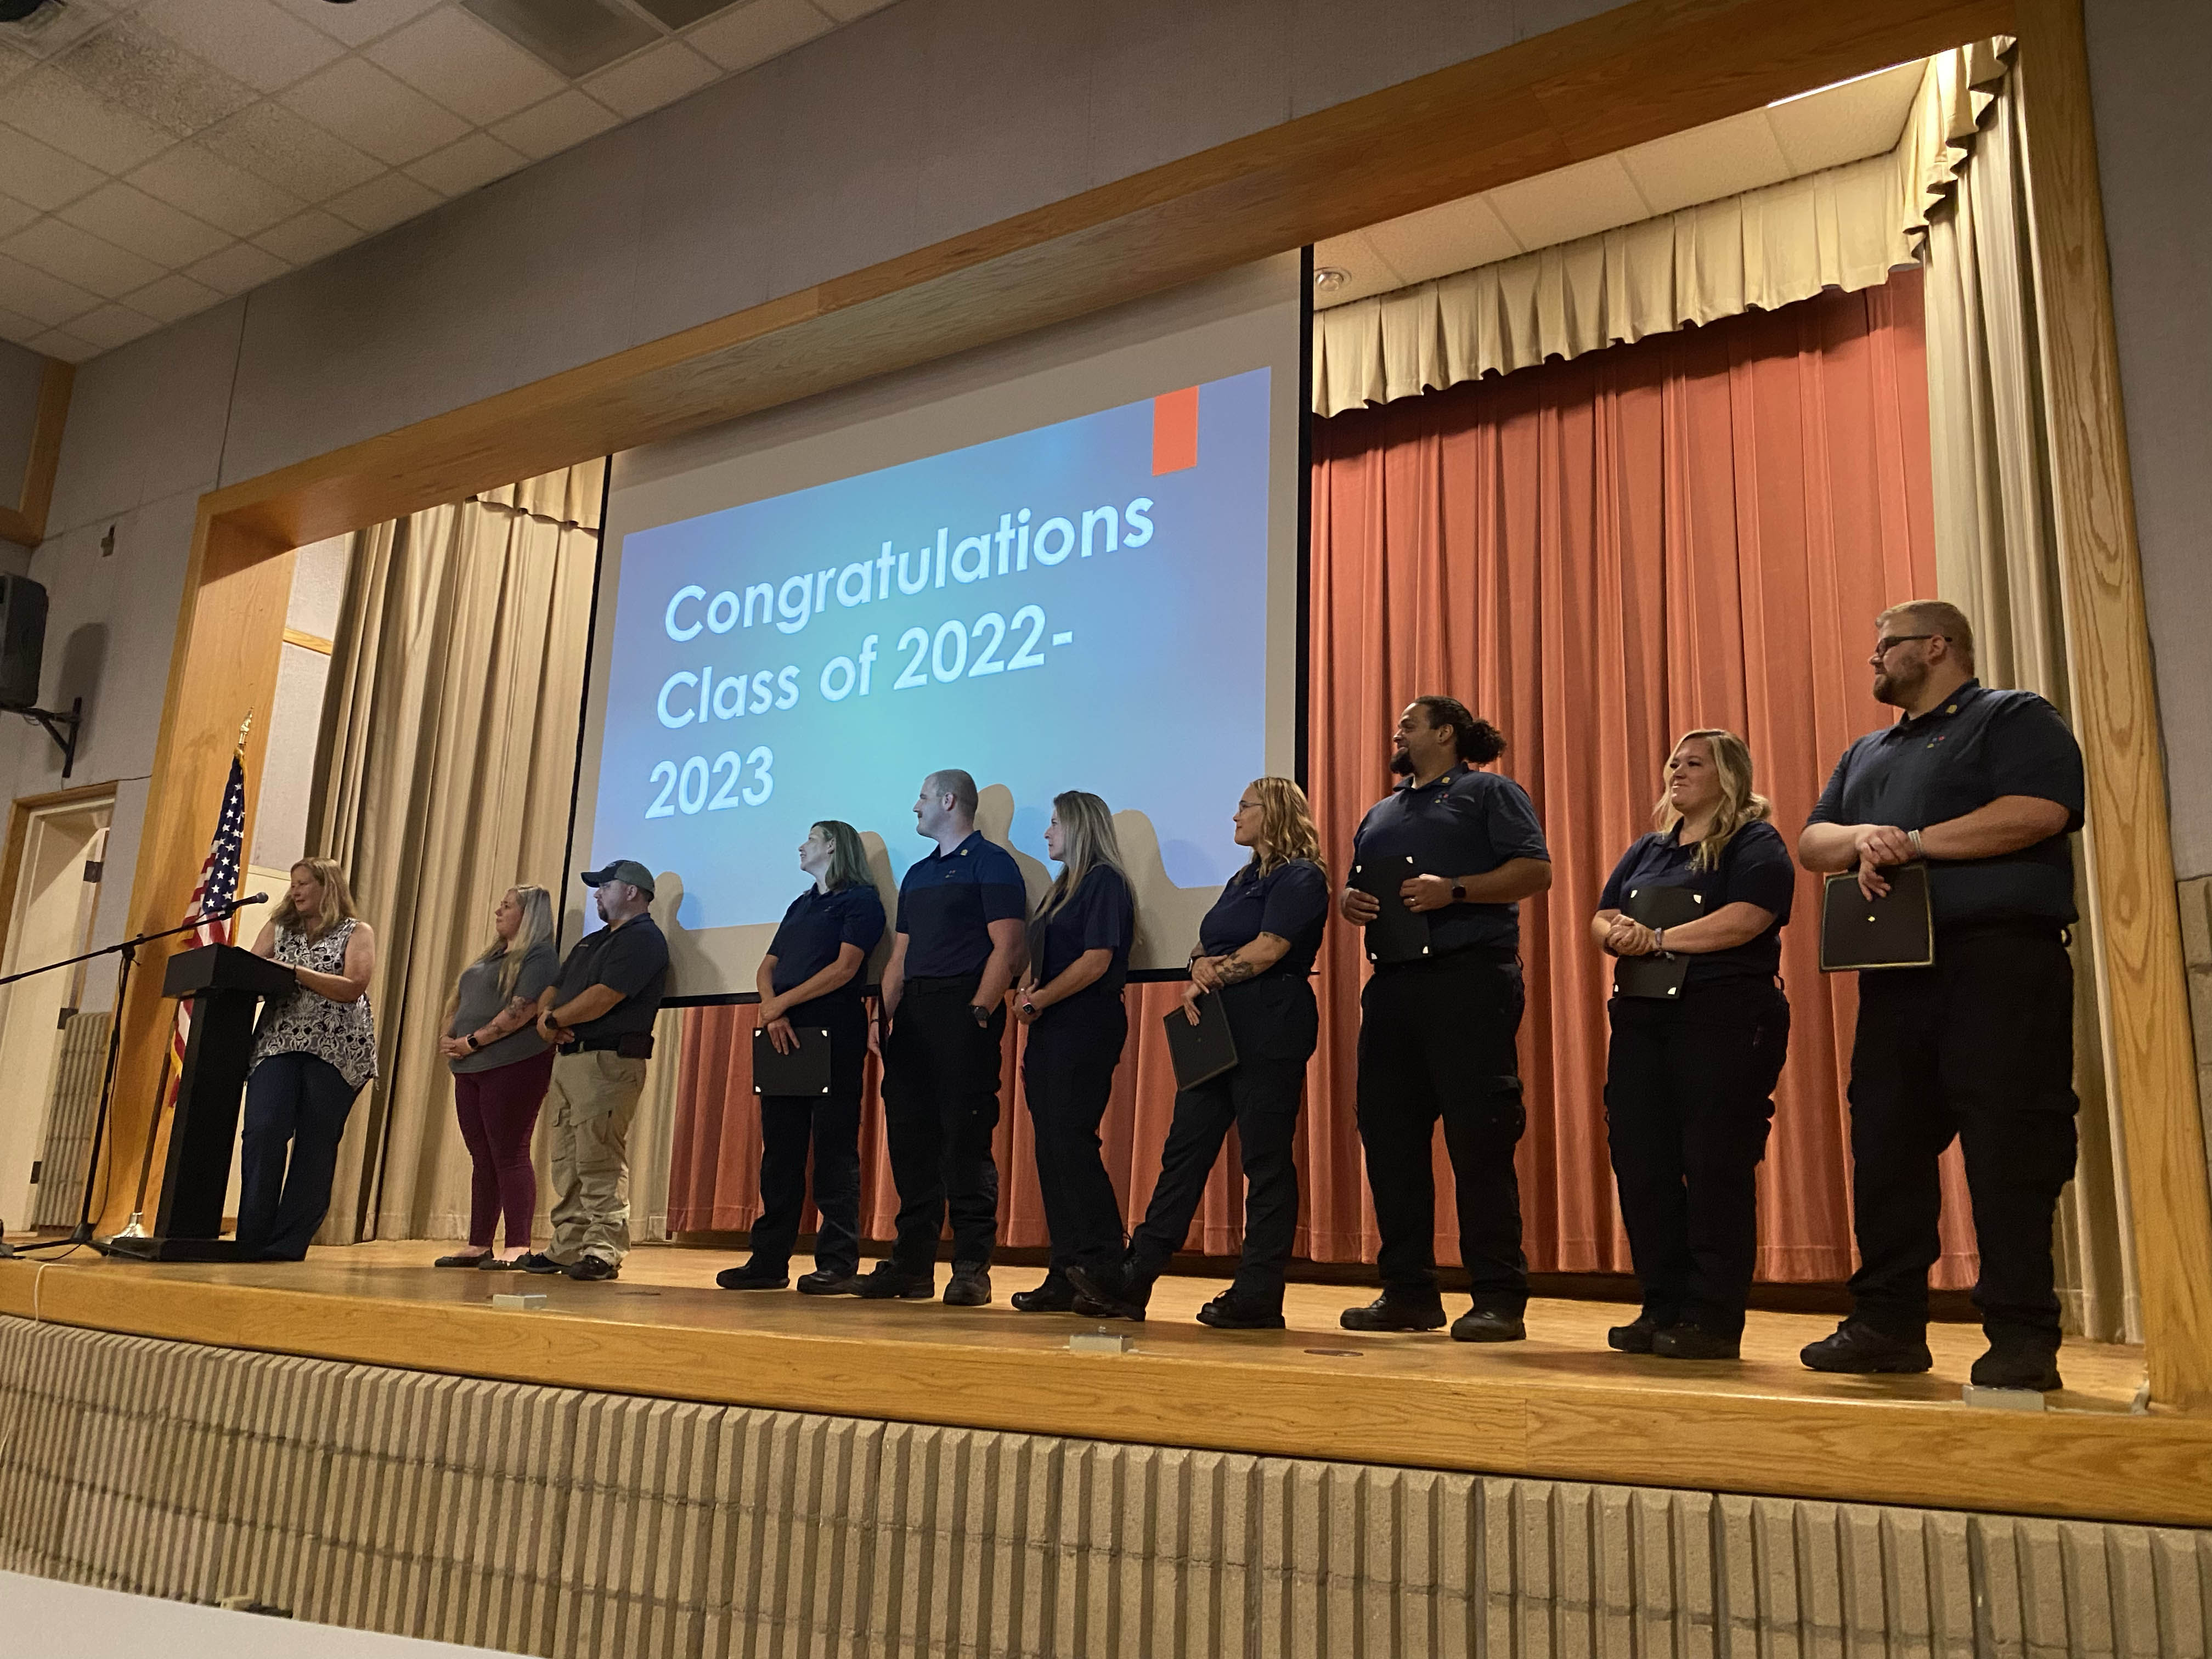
(983, 1015)
(1459, 892)
(473, 1044)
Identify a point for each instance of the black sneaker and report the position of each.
(1230, 1312)
(1695, 1342)
(537, 1261)
(889, 1282)
(495, 1264)
(1860, 1350)
(1055, 1295)
(590, 1269)
(971, 1286)
(1488, 1325)
(1119, 1296)
(1388, 1313)
(824, 1281)
(2013, 1363)
(1634, 1337)
(753, 1276)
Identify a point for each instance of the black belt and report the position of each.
(640, 1045)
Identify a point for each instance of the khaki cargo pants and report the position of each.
(588, 1110)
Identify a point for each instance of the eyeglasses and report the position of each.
(1883, 646)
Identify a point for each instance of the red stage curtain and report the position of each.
(1695, 530)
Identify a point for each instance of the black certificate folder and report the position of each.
(804, 1071)
(1894, 931)
(1397, 934)
(1661, 975)
(1202, 1052)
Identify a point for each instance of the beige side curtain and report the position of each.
(1996, 560)
(1844, 228)
(448, 756)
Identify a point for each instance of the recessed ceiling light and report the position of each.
(1329, 278)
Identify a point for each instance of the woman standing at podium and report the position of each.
(500, 1066)
(312, 1052)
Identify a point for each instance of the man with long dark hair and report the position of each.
(1438, 1026)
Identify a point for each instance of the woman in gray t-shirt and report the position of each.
(500, 1069)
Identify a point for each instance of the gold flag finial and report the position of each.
(244, 726)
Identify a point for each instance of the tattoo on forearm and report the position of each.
(1235, 968)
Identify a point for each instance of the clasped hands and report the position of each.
(1417, 893)
(558, 1035)
(769, 1016)
(1880, 845)
(1628, 936)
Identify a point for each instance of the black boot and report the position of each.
(1055, 1294)
(1389, 1313)
(1858, 1349)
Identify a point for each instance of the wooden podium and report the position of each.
(226, 985)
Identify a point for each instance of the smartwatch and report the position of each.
(983, 1015)
(474, 1046)
(1459, 892)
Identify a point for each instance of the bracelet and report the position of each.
(1659, 940)
(1913, 839)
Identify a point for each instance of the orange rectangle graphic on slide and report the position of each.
(1174, 430)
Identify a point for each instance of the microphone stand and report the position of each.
(127, 952)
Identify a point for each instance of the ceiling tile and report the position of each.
(1722, 158)
(262, 45)
(40, 174)
(659, 76)
(15, 326)
(148, 226)
(14, 61)
(1438, 240)
(237, 268)
(111, 326)
(207, 186)
(383, 203)
(549, 128)
(846, 11)
(362, 22)
(1365, 271)
(289, 151)
(154, 78)
(60, 111)
(44, 298)
(474, 162)
(67, 347)
(757, 31)
(374, 112)
(1848, 122)
(307, 238)
(173, 299)
(1578, 201)
(15, 214)
(79, 257)
(465, 66)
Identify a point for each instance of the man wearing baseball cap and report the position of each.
(599, 1015)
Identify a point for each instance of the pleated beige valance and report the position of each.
(1844, 227)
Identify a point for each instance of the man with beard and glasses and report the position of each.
(1984, 786)
(1437, 1031)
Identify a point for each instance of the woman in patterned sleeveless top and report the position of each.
(313, 1050)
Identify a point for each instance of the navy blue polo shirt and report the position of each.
(1464, 823)
(631, 958)
(947, 903)
(814, 930)
(1290, 902)
(1975, 746)
(1099, 916)
(1754, 868)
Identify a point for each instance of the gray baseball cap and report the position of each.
(628, 869)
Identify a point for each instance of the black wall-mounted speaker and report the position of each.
(22, 640)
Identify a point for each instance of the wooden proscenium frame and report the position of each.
(1627, 77)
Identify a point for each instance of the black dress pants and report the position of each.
(1067, 1077)
(1980, 1046)
(1436, 1039)
(295, 1103)
(940, 1105)
(832, 1123)
(1260, 1099)
(1689, 1094)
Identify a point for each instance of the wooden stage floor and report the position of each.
(1558, 1406)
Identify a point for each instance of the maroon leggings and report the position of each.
(498, 1110)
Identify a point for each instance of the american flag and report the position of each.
(217, 887)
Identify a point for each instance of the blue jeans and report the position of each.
(298, 1103)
